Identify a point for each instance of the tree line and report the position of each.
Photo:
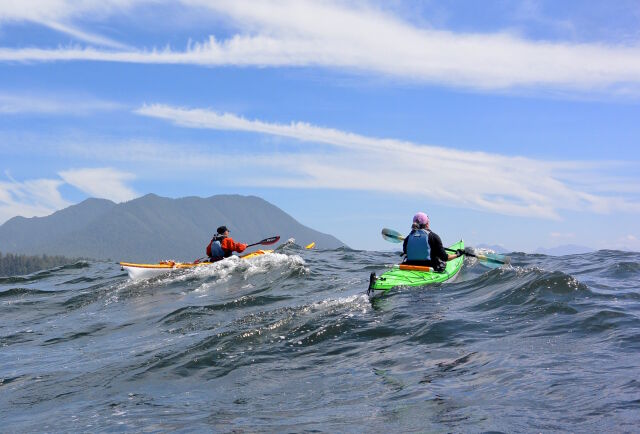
(17, 265)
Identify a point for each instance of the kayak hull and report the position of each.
(146, 271)
(411, 275)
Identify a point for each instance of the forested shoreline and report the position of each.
(17, 265)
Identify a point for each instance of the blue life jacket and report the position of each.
(214, 250)
(418, 246)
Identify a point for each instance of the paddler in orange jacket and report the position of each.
(222, 245)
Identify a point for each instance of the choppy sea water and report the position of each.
(290, 342)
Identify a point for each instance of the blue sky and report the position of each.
(512, 123)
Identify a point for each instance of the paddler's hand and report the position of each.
(241, 247)
(460, 252)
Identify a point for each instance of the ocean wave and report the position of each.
(259, 336)
(291, 340)
(44, 274)
(516, 287)
(22, 292)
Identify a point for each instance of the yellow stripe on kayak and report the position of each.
(172, 264)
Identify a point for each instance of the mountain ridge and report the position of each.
(564, 249)
(152, 227)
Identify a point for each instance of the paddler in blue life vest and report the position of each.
(424, 247)
(222, 245)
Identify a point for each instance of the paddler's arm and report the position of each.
(231, 246)
(455, 255)
(436, 244)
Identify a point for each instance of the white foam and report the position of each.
(224, 270)
(221, 270)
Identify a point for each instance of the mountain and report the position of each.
(494, 247)
(18, 233)
(565, 249)
(152, 228)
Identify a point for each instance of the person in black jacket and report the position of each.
(424, 247)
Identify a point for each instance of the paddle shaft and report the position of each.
(455, 251)
(397, 237)
(266, 241)
(481, 257)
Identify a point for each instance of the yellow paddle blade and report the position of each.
(310, 246)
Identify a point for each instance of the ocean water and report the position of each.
(290, 342)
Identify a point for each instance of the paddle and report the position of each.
(491, 260)
(392, 236)
(266, 241)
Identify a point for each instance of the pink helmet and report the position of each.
(421, 218)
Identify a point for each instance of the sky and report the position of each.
(513, 123)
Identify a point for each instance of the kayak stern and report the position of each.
(412, 275)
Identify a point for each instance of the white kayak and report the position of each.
(146, 271)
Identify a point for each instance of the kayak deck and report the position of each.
(145, 271)
(414, 275)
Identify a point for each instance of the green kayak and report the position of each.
(408, 275)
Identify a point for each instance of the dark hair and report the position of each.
(222, 229)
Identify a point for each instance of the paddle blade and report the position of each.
(266, 241)
(310, 246)
(490, 260)
(392, 236)
(271, 240)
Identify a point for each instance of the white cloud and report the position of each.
(33, 198)
(60, 10)
(86, 36)
(26, 103)
(628, 242)
(41, 197)
(106, 183)
(478, 180)
(361, 38)
(58, 14)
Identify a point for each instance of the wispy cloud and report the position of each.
(52, 105)
(59, 14)
(84, 36)
(628, 242)
(478, 180)
(32, 198)
(41, 197)
(361, 38)
(62, 10)
(106, 183)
